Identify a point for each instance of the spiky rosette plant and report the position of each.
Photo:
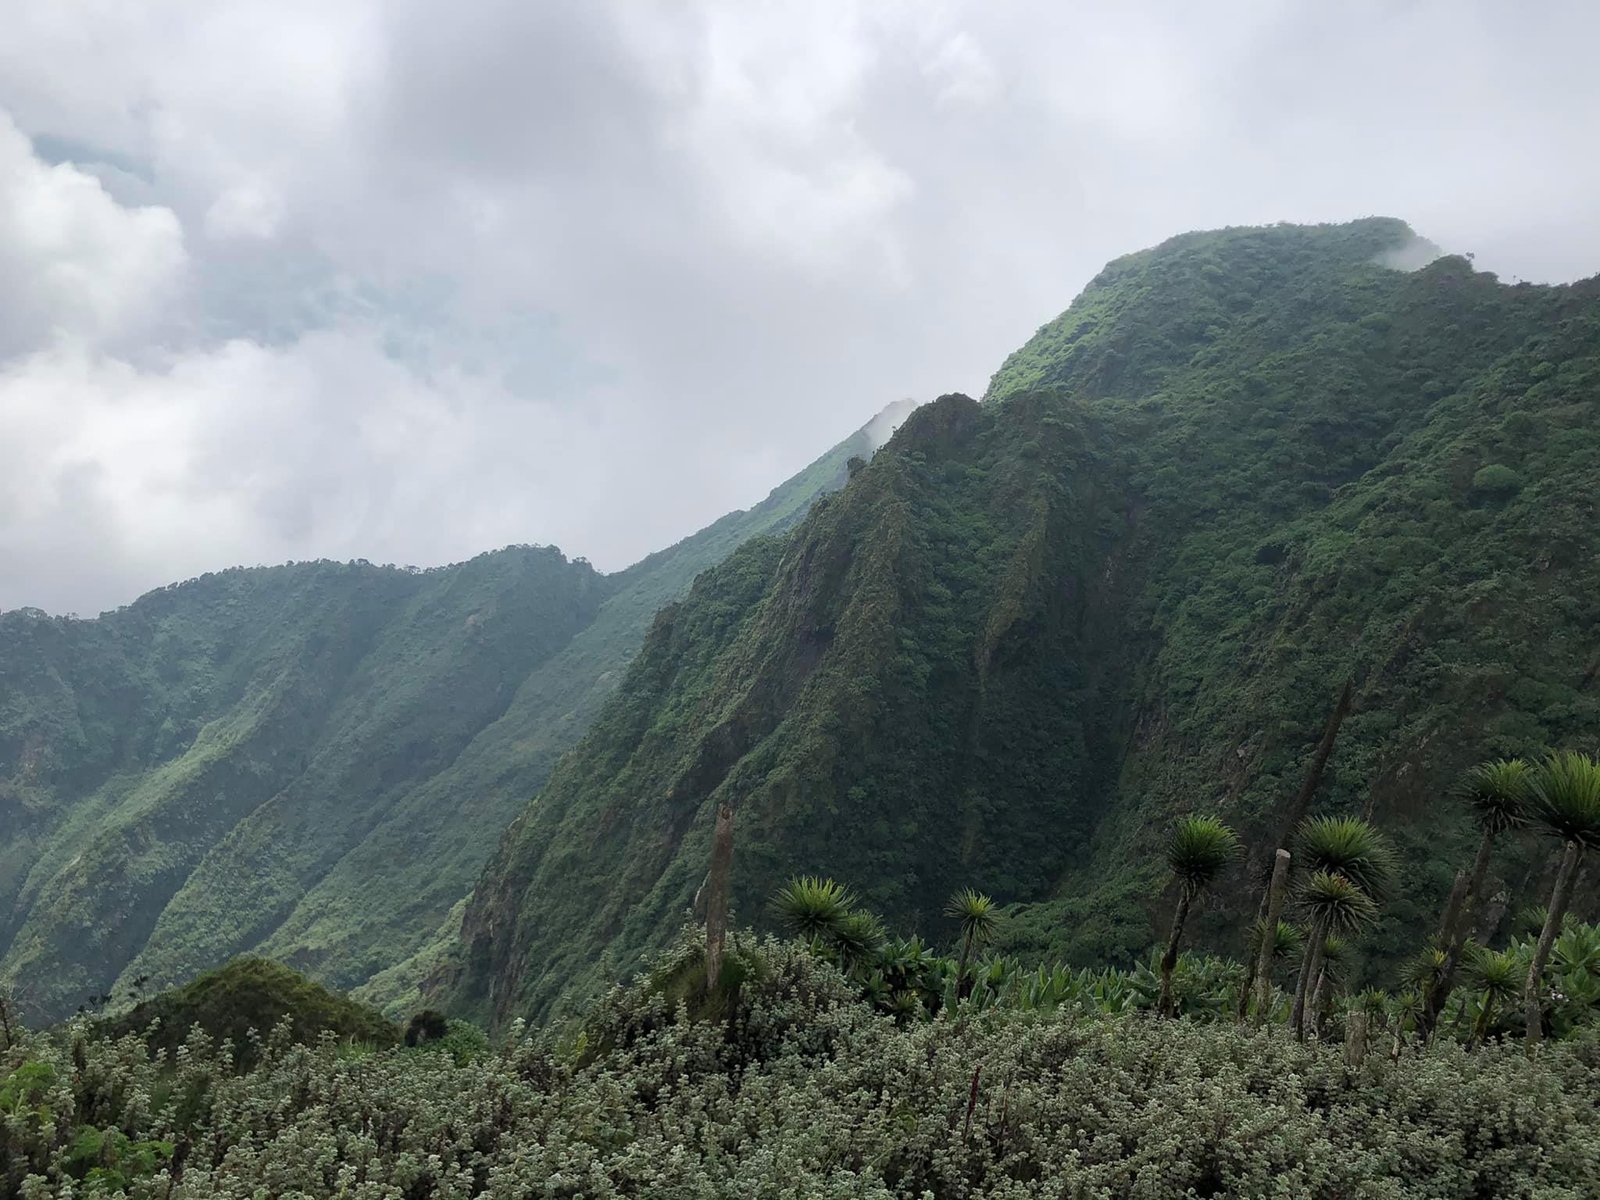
(1348, 847)
(856, 939)
(1198, 851)
(1334, 906)
(1286, 941)
(1493, 976)
(1497, 794)
(1425, 970)
(977, 918)
(1564, 803)
(1530, 919)
(1405, 1010)
(813, 908)
(1338, 848)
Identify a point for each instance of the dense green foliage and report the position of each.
(250, 994)
(1244, 468)
(312, 761)
(794, 1089)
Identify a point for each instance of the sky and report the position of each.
(408, 280)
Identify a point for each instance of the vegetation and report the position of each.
(1201, 848)
(1250, 479)
(976, 919)
(1235, 477)
(1566, 805)
(251, 994)
(311, 761)
(797, 1089)
(1497, 793)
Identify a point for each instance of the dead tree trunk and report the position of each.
(717, 885)
(1277, 892)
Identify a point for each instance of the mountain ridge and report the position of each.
(1242, 468)
(266, 758)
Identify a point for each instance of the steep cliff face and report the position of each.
(310, 761)
(1244, 468)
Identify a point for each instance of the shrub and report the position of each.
(1496, 482)
(799, 1090)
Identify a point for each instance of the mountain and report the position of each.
(1244, 470)
(310, 761)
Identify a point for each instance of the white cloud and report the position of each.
(399, 279)
(324, 447)
(74, 261)
(245, 210)
(962, 72)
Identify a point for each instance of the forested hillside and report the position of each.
(1245, 471)
(311, 760)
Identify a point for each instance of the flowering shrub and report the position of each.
(789, 1086)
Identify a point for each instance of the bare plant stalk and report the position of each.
(1355, 1038)
(972, 1101)
(1166, 1006)
(1310, 969)
(1532, 1004)
(717, 887)
(1277, 891)
(1453, 937)
(1319, 760)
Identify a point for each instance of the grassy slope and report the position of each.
(312, 760)
(1238, 471)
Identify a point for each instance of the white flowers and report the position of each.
(801, 1091)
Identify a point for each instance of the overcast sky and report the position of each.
(409, 280)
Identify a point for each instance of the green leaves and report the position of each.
(1200, 849)
(1498, 793)
(812, 907)
(800, 1090)
(1349, 848)
(1337, 903)
(1566, 797)
(1495, 973)
(976, 913)
(1287, 940)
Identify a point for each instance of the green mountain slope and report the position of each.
(1243, 468)
(312, 761)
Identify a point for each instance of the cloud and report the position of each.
(1415, 254)
(74, 261)
(403, 280)
(253, 453)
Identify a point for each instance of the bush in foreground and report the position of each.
(789, 1086)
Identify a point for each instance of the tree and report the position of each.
(1407, 1006)
(1335, 906)
(1344, 848)
(1331, 972)
(978, 919)
(1285, 943)
(1493, 976)
(1565, 803)
(1199, 850)
(1497, 794)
